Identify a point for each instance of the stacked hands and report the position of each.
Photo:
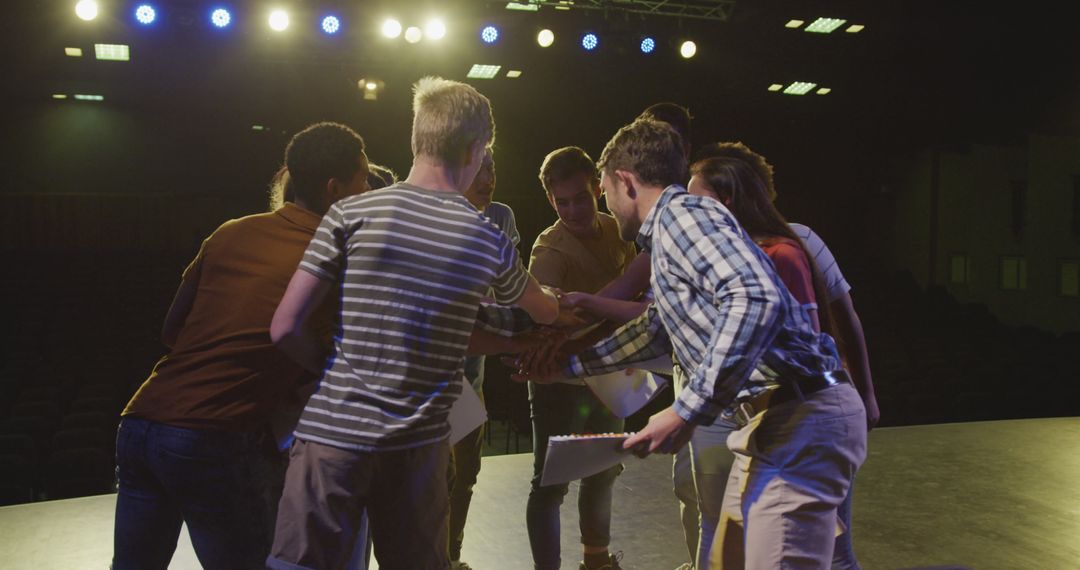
(545, 352)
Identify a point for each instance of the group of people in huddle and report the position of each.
(343, 325)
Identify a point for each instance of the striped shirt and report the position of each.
(835, 284)
(719, 304)
(413, 265)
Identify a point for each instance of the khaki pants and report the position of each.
(793, 465)
(327, 490)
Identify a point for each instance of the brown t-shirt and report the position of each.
(559, 259)
(223, 372)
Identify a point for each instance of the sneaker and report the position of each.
(685, 566)
(613, 563)
(459, 565)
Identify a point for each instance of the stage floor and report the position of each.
(987, 495)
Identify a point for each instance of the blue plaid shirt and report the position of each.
(720, 305)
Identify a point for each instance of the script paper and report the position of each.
(626, 391)
(573, 457)
(467, 414)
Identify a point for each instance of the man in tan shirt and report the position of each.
(581, 251)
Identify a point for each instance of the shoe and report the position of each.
(459, 565)
(685, 566)
(613, 563)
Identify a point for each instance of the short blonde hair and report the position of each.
(448, 117)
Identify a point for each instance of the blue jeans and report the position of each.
(216, 482)
(562, 409)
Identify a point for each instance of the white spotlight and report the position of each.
(279, 20)
(688, 49)
(435, 29)
(413, 34)
(545, 38)
(391, 28)
(86, 9)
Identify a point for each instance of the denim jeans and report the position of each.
(562, 409)
(216, 482)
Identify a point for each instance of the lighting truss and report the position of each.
(717, 10)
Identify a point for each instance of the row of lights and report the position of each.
(799, 88)
(434, 29)
(147, 14)
(590, 41)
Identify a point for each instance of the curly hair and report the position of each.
(673, 114)
(740, 151)
(650, 149)
(319, 153)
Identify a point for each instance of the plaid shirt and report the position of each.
(720, 305)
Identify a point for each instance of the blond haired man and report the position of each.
(411, 265)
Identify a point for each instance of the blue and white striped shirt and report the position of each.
(719, 305)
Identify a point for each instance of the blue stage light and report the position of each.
(145, 14)
(590, 41)
(221, 18)
(331, 25)
(489, 34)
(648, 45)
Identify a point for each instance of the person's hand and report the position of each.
(873, 413)
(542, 364)
(574, 300)
(666, 432)
(571, 318)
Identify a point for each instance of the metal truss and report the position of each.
(717, 10)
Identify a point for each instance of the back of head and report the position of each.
(739, 185)
(563, 163)
(319, 153)
(448, 117)
(673, 114)
(651, 149)
(740, 151)
(380, 176)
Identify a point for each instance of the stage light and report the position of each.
(545, 38)
(513, 73)
(799, 88)
(391, 28)
(59, 96)
(73, 52)
(489, 34)
(824, 91)
(86, 9)
(221, 18)
(279, 20)
(413, 34)
(794, 24)
(371, 86)
(435, 29)
(145, 14)
(480, 71)
(648, 45)
(688, 49)
(775, 87)
(825, 25)
(82, 97)
(524, 6)
(855, 28)
(331, 25)
(590, 41)
(112, 52)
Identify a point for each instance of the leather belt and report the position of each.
(791, 388)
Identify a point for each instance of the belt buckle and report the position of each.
(744, 412)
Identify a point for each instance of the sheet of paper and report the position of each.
(573, 457)
(467, 414)
(626, 391)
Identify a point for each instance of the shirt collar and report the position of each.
(296, 215)
(645, 234)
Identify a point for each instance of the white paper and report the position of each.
(573, 457)
(626, 391)
(467, 414)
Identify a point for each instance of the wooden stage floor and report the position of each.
(987, 496)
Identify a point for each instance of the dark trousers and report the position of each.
(216, 482)
(563, 409)
(464, 469)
